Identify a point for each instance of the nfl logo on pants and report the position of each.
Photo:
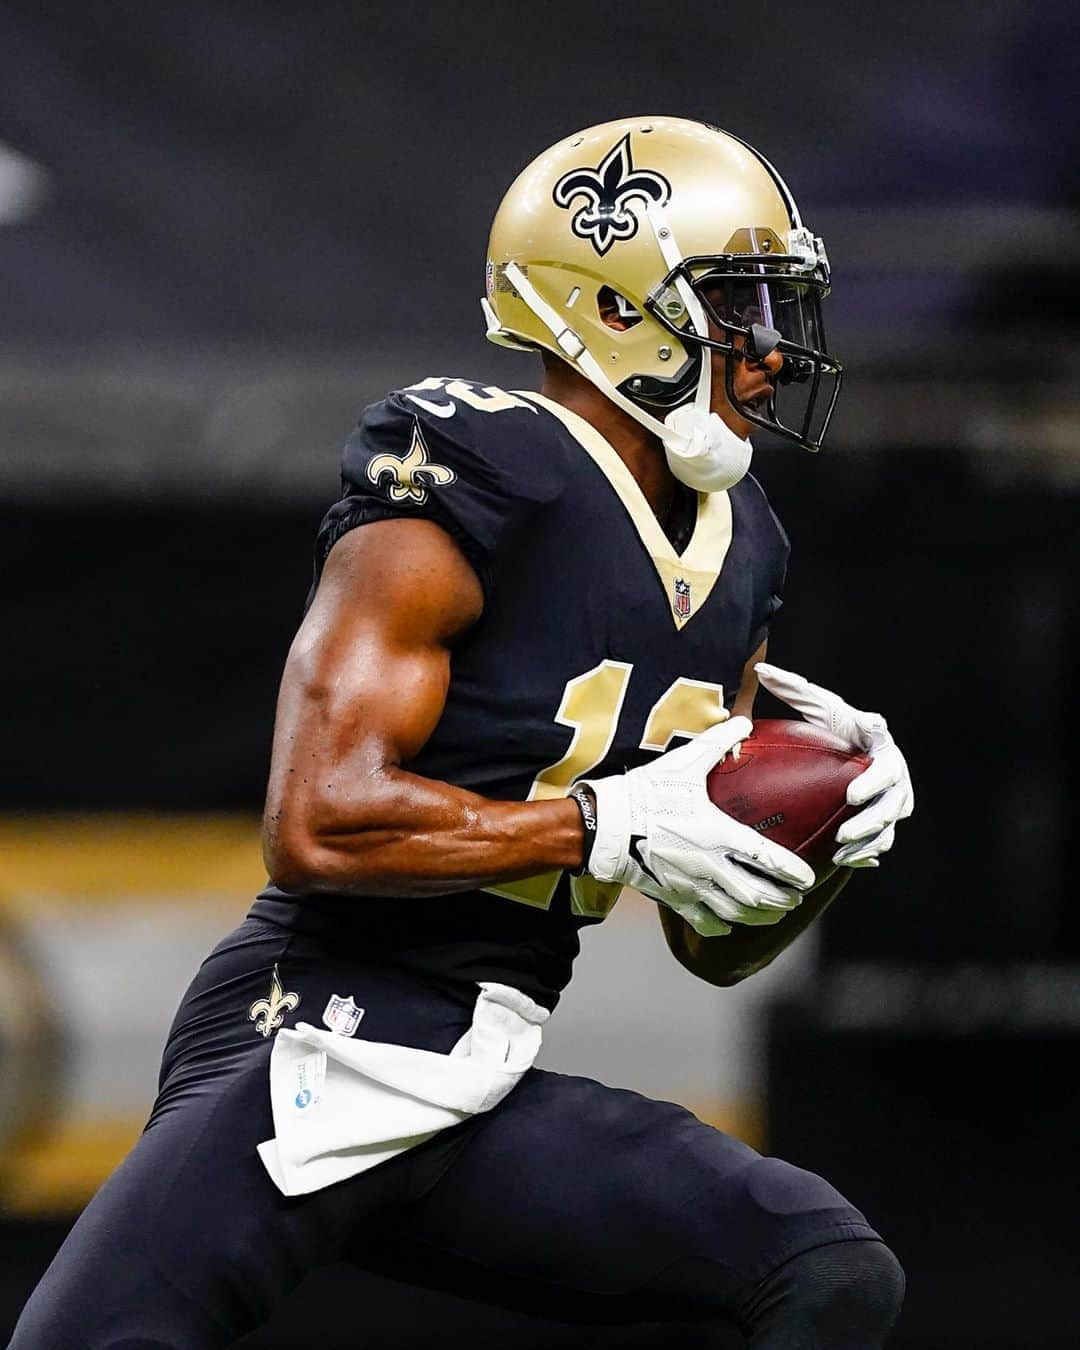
(342, 1015)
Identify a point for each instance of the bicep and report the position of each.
(365, 681)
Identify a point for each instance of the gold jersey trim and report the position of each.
(699, 565)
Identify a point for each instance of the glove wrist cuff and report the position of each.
(582, 794)
(608, 859)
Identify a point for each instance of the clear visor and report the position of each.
(790, 308)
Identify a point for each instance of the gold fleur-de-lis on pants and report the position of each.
(409, 472)
(269, 1013)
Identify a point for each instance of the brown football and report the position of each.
(790, 783)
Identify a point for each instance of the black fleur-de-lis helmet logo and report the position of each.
(603, 217)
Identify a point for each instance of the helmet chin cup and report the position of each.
(703, 452)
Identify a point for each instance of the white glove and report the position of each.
(657, 830)
(884, 788)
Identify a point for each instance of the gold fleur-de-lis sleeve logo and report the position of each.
(269, 1013)
(406, 475)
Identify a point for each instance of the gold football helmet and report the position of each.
(682, 223)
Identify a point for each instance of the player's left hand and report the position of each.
(884, 789)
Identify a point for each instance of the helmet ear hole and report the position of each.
(616, 311)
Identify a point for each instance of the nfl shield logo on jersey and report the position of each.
(682, 598)
(342, 1015)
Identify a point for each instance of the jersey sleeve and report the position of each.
(460, 454)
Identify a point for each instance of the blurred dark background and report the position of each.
(224, 229)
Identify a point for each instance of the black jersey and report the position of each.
(598, 646)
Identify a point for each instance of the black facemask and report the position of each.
(758, 298)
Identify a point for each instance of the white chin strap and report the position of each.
(702, 450)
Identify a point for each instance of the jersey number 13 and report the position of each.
(591, 705)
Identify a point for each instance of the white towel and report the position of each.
(342, 1106)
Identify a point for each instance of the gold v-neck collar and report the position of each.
(687, 577)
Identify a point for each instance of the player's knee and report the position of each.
(850, 1285)
(845, 1294)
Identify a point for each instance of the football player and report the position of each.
(538, 621)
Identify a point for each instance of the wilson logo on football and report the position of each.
(607, 190)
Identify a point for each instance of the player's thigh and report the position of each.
(190, 1243)
(598, 1189)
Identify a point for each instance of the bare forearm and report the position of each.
(745, 950)
(412, 836)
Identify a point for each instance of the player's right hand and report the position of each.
(657, 830)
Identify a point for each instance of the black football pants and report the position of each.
(569, 1188)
